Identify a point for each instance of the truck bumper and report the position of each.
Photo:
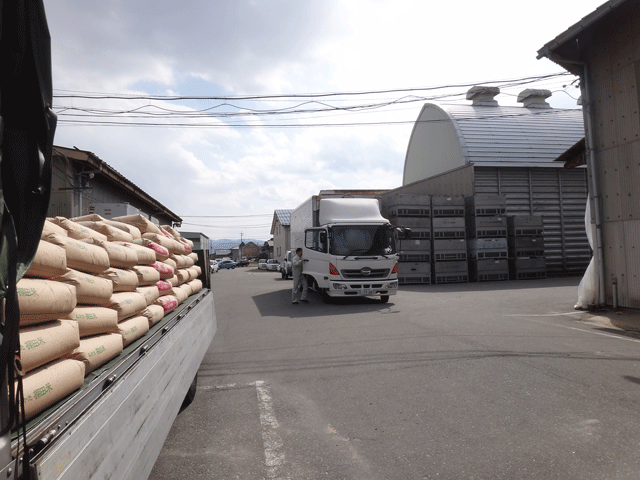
(341, 288)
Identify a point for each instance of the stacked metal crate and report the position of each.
(449, 240)
(414, 212)
(487, 243)
(526, 247)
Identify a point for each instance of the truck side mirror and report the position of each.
(404, 233)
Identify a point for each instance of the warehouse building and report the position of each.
(510, 151)
(83, 184)
(610, 81)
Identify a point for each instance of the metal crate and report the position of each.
(415, 243)
(447, 206)
(525, 225)
(457, 266)
(448, 227)
(418, 256)
(452, 278)
(487, 227)
(485, 205)
(410, 222)
(526, 246)
(414, 280)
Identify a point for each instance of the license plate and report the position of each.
(367, 291)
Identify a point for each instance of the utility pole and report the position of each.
(241, 245)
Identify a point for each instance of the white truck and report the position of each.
(114, 426)
(349, 247)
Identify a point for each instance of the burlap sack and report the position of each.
(154, 314)
(150, 294)
(164, 270)
(169, 261)
(196, 285)
(77, 231)
(90, 289)
(47, 342)
(186, 247)
(146, 256)
(169, 243)
(167, 302)
(133, 328)
(189, 262)
(49, 384)
(123, 280)
(50, 260)
(142, 223)
(181, 293)
(112, 233)
(162, 253)
(95, 320)
(50, 227)
(181, 261)
(147, 275)
(198, 270)
(183, 276)
(92, 217)
(169, 229)
(188, 242)
(96, 351)
(193, 273)
(163, 287)
(127, 304)
(85, 257)
(119, 255)
(193, 256)
(44, 300)
(174, 281)
(130, 229)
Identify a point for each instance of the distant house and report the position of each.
(280, 229)
(486, 148)
(251, 250)
(603, 49)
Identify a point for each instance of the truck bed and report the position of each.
(115, 426)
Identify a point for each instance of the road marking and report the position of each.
(273, 446)
(530, 318)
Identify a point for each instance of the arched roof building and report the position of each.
(486, 148)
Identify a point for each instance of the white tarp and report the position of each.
(588, 288)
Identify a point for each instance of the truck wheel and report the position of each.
(384, 298)
(191, 393)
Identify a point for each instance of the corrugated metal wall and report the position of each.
(559, 195)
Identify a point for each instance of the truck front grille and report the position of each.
(375, 273)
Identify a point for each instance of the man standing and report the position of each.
(298, 278)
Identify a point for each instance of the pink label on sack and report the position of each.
(187, 246)
(163, 286)
(163, 268)
(158, 248)
(169, 305)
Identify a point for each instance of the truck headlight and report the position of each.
(339, 286)
(391, 285)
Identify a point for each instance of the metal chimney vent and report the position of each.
(532, 98)
(483, 96)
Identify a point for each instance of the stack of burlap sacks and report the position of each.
(94, 287)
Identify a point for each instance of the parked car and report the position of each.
(226, 264)
(262, 264)
(242, 263)
(285, 265)
(214, 266)
(273, 265)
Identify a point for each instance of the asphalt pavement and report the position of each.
(496, 380)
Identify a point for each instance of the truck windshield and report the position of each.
(362, 240)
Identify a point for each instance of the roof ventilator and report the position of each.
(533, 98)
(483, 96)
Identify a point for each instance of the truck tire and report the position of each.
(326, 298)
(191, 393)
(384, 298)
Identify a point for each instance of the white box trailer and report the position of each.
(348, 246)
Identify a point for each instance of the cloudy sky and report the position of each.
(225, 110)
